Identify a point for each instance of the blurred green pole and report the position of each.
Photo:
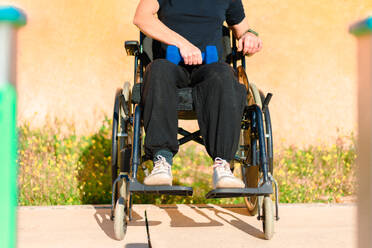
(10, 18)
(363, 31)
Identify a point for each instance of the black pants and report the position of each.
(219, 101)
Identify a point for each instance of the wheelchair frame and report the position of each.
(126, 149)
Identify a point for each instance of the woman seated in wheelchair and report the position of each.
(218, 97)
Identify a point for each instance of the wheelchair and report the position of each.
(255, 152)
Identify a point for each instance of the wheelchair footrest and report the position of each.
(265, 189)
(136, 187)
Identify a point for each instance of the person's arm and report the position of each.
(146, 20)
(249, 43)
(238, 23)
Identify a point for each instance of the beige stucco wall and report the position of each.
(71, 60)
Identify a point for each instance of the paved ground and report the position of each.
(187, 226)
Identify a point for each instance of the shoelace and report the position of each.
(222, 166)
(160, 165)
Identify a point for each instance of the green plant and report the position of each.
(58, 169)
(317, 173)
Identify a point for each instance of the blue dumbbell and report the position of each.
(210, 56)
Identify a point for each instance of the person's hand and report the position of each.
(191, 54)
(249, 44)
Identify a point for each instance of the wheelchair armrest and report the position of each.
(132, 47)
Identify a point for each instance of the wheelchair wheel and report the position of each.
(250, 174)
(120, 158)
(121, 134)
(268, 218)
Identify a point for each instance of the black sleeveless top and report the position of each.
(200, 21)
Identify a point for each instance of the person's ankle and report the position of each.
(166, 154)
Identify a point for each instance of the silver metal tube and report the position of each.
(7, 49)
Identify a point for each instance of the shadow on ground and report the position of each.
(102, 217)
(220, 217)
(238, 209)
(178, 219)
(238, 223)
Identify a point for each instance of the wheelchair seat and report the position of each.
(185, 106)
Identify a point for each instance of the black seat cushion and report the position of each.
(185, 99)
(185, 105)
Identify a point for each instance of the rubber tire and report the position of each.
(253, 174)
(120, 219)
(256, 94)
(114, 145)
(121, 203)
(268, 218)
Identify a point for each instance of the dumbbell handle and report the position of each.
(210, 56)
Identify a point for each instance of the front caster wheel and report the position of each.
(120, 219)
(268, 217)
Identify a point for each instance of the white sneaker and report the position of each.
(223, 177)
(161, 174)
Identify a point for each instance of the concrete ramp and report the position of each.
(187, 226)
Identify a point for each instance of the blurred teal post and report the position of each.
(363, 31)
(10, 18)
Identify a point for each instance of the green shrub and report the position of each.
(56, 169)
(48, 166)
(64, 169)
(317, 174)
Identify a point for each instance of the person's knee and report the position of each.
(221, 74)
(222, 67)
(158, 74)
(158, 66)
